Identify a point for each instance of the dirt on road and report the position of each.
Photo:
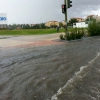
(32, 40)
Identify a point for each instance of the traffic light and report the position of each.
(69, 3)
(63, 8)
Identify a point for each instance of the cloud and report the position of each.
(36, 11)
(83, 8)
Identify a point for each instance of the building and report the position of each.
(18, 28)
(51, 23)
(98, 19)
(78, 19)
(64, 23)
(80, 25)
(92, 16)
(32, 25)
(3, 21)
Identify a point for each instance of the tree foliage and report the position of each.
(61, 24)
(27, 26)
(72, 21)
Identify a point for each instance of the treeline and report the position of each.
(33, 26)
(27, 26)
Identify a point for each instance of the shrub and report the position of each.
(94, 29)
(74, 34)
(62, 37)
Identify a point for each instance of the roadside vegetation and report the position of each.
(94, 29)
(78, 33)
(73, 34)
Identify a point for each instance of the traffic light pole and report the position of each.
(65, 2)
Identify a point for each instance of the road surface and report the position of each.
(43, 68)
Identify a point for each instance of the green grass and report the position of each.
(29, 31)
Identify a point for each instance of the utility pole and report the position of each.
(66, 3)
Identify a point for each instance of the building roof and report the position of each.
(90, 15)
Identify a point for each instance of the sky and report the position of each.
(38, 11)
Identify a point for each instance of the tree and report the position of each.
(61, 24)
(42, 26)
(73, 21)
(14, 26)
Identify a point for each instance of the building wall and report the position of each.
(98, 19)
(91, 16)
(95, 17)
(80, 25)
(3, 25)
(64, 23)
(52, 23)
(56, 23)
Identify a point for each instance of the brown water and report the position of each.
(62, 72)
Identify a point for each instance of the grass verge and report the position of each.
(29, 31)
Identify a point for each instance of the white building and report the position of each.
(80, 25)
(3, 20)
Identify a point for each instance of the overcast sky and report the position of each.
(37, 11)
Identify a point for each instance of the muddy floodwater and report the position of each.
(69, 71)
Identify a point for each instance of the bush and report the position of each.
(62, 37)
(74, 34)
(94, 29)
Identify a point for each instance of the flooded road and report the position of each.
(69, 71)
